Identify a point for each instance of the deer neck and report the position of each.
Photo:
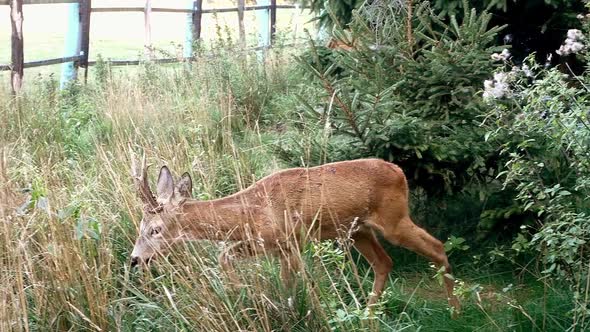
(221, 219)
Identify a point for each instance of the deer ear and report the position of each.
(165, 185)
(184, 187)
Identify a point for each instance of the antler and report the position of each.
(140, 179)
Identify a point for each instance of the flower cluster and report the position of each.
(572, 44)
(498, 87)
(527, 70)
(504, 56)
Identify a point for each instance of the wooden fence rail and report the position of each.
(78, 35)
(187, 11)
(39, 2)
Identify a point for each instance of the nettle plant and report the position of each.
(541, 120)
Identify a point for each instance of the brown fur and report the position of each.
(350, 198)
(337, 44)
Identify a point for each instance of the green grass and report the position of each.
(69, 216)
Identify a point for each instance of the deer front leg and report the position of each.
(241, 250)
(367, 244)
(227, 257)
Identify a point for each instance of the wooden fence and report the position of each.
(78, 34)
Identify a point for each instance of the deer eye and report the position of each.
(156, 230)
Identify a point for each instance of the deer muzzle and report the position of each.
(136, 260)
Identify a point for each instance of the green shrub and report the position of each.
(543, 126)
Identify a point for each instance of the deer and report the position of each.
(364, 196)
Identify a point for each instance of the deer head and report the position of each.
(159, 227)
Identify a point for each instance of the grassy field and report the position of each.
(70, 214)
(121, 35)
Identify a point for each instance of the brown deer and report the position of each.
(361, 197)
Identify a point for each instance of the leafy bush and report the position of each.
(543, 127)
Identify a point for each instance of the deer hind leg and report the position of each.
(368, 245)
(406, 234)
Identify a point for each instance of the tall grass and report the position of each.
(69, 215)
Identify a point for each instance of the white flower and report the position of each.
(527, 70)
(501, 77)
(504, 56)
(548, 60)
(576, 47)
(496, 57)
(575, 34)
(498, 87)
(572, 44)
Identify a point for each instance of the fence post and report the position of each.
(263, 18)
(187, 50)
(17, 53)
(147, 24)
(273, 20)
(85, 10)
(72, 46)
(197, 16)
(296, 18)
(241, 29)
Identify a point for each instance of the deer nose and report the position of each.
(134, 261)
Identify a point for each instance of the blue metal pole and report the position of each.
(72, 46)
(263, 18)
(188, 35)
